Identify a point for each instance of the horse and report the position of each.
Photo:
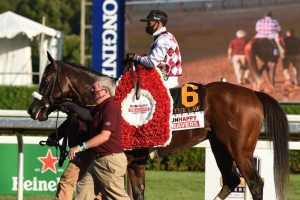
(265, 50)
(234, 116)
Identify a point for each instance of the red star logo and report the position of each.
(48, 162)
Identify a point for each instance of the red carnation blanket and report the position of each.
(145, 122)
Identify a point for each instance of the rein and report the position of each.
(129, 66)
(54, 106)
(56, 80)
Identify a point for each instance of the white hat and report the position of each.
(241, 33)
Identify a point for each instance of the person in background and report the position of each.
(106, 173)
(164, 52)
(292, 56)
(268, 27)
(236, 54)
(74, 131)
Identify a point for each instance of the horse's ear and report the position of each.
(50, 57)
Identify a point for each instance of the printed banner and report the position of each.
(188, 107)
(41, 170)
(108, 36)
(187, 121)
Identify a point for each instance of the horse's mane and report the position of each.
(94, 74)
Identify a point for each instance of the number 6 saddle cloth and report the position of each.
(146, 114)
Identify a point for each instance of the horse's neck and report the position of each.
(81, 85)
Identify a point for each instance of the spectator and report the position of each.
(236, 53)
(292, 56)
(74, 131)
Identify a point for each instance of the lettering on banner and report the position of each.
(188, 115)
(109, 37)
(36, 185)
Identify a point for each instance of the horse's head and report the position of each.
(62, 81)
(49, 90)
(55, 86)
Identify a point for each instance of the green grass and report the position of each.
(174, 185)
(293, 190)
(164, 185)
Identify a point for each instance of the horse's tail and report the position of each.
(277, 130)
(251, 59)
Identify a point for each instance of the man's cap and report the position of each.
(156, 15)
(241, 33)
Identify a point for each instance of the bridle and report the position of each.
(49, 100)
(51, 104)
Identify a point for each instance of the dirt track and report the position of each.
(203, 38)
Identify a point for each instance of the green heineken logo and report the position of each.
(41, 171)
(48, 162)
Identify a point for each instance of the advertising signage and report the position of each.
(108, 36)
(41, 170)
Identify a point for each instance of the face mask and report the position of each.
(150, 29)
(96, 96)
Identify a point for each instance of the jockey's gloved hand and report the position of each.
(130, 57)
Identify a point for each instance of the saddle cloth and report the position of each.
(187, 107)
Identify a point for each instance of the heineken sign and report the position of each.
(41, 170)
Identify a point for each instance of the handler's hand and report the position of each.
(72, 152)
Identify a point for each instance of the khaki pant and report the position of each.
(240, 70)
(105, 175)
(73, 173)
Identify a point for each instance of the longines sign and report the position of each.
(108, 36)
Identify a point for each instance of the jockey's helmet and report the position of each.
(156, 15)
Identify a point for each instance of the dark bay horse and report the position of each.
(234, 116)
(262, 49)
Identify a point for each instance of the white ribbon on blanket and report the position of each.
(138, 112)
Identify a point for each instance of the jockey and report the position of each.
(164, 53)
(268, 27)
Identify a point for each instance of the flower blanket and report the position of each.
(145, 121)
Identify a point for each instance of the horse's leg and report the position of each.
(136, 174)
(270, 68)
(242, 153)
(225, 163)
(137, 159)
(252, 178)
(238, 133)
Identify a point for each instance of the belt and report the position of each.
(101, 155)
